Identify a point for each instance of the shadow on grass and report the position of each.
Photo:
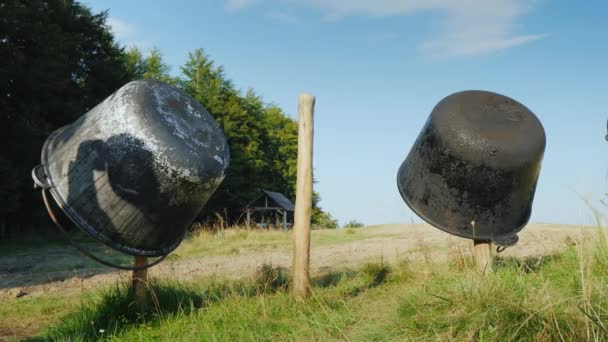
(531, 264)
(42, 258)
(373, 275)
(115, 310)
(331, 279)
(32, 241)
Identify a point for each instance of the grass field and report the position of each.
(56, 255)
(563, 296)
(238, 241)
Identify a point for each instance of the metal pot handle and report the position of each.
(505, 241)
(86, 252)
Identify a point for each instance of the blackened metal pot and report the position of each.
(136, 169)
(473, 170)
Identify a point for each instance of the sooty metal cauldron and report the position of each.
(136, 169)
(473, 169)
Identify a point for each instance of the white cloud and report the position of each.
(468, 46)
(475, 27)
(121, 29)
(463, 27)
(239, 4)
(128, 35)
(338, 8)
(282, 16)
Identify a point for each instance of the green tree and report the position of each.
(324, 220)
(281, 149)
(156, 69)
(134, 63)
(353, 224)
(58, 61)
(263, 140)
(150, 67)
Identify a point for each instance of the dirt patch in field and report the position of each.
(406, 241)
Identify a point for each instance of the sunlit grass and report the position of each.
(239, 240)
(553, 297)
(556, 297)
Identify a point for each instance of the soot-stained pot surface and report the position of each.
(473, 169)
(137, 169)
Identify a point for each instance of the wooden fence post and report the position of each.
(140, 282)
(303, 210)
(482, 252)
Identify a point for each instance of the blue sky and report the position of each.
(377, 68)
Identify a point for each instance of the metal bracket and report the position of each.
(500, 249)
(505, 241)
(41, 180)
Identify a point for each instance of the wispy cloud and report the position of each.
(340, 8)
(127, 34)
(470, 45)
(461, 27)
(476, 27)
(282, 16)
(235, 5)
(121, 29)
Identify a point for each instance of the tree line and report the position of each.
(59, 59)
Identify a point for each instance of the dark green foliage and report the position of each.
(57, 61)
(150, 67)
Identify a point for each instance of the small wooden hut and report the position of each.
(270, 209)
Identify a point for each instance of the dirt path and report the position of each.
(420, 241)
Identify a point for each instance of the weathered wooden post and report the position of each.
(140, 282)
(284, 219)
(302, 215)
(482, 253)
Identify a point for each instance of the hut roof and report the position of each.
(278, 198)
